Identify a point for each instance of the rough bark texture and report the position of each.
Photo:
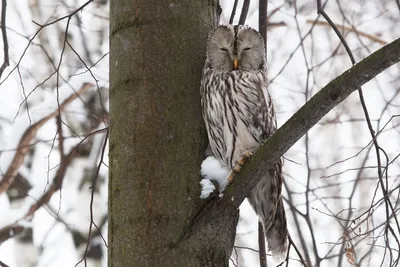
(157, 139)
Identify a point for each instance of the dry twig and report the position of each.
(27, 137)
(6, 62)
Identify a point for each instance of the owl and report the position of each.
(239, 116)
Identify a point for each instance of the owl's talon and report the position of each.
(231, 175)
(237, 168)
(247, 155)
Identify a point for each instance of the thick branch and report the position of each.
(286, 136)
(2, 264)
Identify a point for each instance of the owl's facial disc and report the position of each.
(220, 49)
(250, 50)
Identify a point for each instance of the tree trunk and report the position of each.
(157, 139)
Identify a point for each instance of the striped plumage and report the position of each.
(239, 116)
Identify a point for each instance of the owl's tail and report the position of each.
(266, 200)
(277, 234)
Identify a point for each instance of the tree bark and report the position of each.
(157, 139)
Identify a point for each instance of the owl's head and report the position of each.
(235, 48)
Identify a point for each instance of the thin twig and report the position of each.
(14, 229)
(343, 28)
(92, 198)
(57, 182)
(398, 4)
(297, 250)
(287, 257)
(233, 12)
(64, 17)
(245, 10)
(41, 27)
(27, 137)
(371, 131)
(60, 137)
(262, 20)
(262, 28)
(6, 62)
(261, 246)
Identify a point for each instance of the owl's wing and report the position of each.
(266, 195)
(212, 115)
(265, 115)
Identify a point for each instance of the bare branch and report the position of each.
(373, 136)
(262, 28)
(398, 4)
(233, 12)
(261, 246)
(57, 182)
(292, 244)
(14, 229)
(262, 20)
(41, 27)
(92, 198)
(30, 133)
(6, 62)
(69, 16)
(342, 28)
(60, 137)
(245, 10)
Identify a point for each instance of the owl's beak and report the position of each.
(235, 63)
